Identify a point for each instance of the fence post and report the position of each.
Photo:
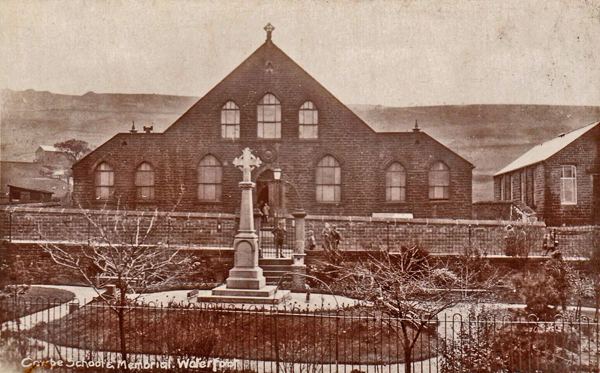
(387, 226)
(10, 226)
(257, 224)
(298, 267)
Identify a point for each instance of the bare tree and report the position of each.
(73, 149)
(124, 252)
(409, 287)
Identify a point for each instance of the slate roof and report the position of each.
(546, 150)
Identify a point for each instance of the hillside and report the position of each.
(489, 136)
(30, 118)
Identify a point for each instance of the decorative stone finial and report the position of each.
(132, 130)
(269, 29)
(416, 129)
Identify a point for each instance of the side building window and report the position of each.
(269, 118)
(144, 182)
(395, 183)
(439, 181)
(329, 180)
(503, 188)
(104, 181)
(568, 181)
(308, 121)
(209, 179)
(230, 121)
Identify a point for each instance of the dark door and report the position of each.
(596, 199)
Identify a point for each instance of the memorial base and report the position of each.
(265, 295)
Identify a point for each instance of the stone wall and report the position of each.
(195, 230)
(30, 263)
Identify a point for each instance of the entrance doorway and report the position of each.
(272, 193)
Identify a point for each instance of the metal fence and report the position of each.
(266, 236)
(454, 237)
(174, 338)
(218, 230)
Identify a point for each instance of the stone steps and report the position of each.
(274, 268)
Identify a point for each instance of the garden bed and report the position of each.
(345, 337)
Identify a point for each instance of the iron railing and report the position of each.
(291, 339)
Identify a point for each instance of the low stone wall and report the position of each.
(30, 263)
(190, 230)
(77, 225)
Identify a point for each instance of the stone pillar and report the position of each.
(298, 267)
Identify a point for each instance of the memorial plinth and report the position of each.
(246, 283)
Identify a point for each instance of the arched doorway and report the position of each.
(272, 192)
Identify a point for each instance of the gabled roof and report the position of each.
(268, 51)
(546, 150)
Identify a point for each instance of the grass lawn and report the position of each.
(34, 300)
(346, 337)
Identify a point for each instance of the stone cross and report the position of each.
(247, 162)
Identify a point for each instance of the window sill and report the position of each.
(440, 201)
(146, 201)
(396, 202)
(568, 203)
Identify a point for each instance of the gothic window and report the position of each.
(269, 117)
(568, 183)
(308, 120)
(439, 181)
(144, 182)
(395, 183)
(230, 121)
(104, 181)
(209, 179)
(329, 180)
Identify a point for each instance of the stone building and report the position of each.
(559, 179)
(49, 155)
(330, 161)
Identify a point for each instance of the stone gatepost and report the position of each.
(298, 266)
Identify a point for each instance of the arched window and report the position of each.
(329, 180)
(209, 179)
(308, 120)
(395, 183)
(104, 181)
(439, 181)
(269, 117)
(230, 121)
(144, 181)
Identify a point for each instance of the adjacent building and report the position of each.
(49, 155)
(316, 153)
(559, 179)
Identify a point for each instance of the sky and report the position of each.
(391, 53)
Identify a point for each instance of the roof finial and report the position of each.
(132, 130)
(269, 29)
(416, 129)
